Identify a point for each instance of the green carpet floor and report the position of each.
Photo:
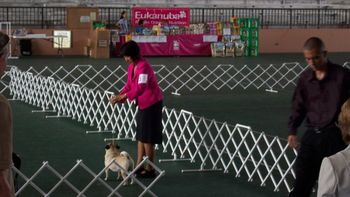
(62, 141)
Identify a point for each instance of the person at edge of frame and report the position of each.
(320, 92)
(334, 177)
(6, 178)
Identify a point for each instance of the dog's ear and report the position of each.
(107, 146)
(118, 147)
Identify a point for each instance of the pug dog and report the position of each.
(123, 159)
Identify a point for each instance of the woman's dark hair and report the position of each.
(140, 22)
(122, 15)
(131, 49)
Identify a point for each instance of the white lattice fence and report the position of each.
(69, 100)
(346, 65)
(87, 180)
(212, 144)
(179, 78)
(5, 81)
(87, 76)
(220, 146)
(228, 77)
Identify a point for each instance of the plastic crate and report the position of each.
(254, 43)
(254, 51)
(243, 22)
(247, 51)
(254, 33)
(244, 33)
(253, 23)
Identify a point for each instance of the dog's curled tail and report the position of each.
(125, 154)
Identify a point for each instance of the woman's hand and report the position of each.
(117, 99)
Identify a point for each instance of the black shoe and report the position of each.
(139, 170)
(147, 174)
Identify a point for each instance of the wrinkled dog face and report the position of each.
(111, 146)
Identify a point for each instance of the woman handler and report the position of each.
(143, 87)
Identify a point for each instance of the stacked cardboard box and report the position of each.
(100, 43)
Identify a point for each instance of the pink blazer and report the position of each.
(143, 85)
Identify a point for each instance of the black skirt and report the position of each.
(149, 124)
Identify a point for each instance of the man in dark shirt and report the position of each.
(320, 92)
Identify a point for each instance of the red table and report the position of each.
(174, 45)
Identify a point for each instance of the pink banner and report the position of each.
(154, 16)
(176, 45)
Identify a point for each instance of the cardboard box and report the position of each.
(88, 42)
(81, 17)
(100, 44)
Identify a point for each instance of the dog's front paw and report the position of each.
(106, 179)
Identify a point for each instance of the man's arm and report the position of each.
(297, 115)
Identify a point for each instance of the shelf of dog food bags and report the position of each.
(240, 36)
(242, 39)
